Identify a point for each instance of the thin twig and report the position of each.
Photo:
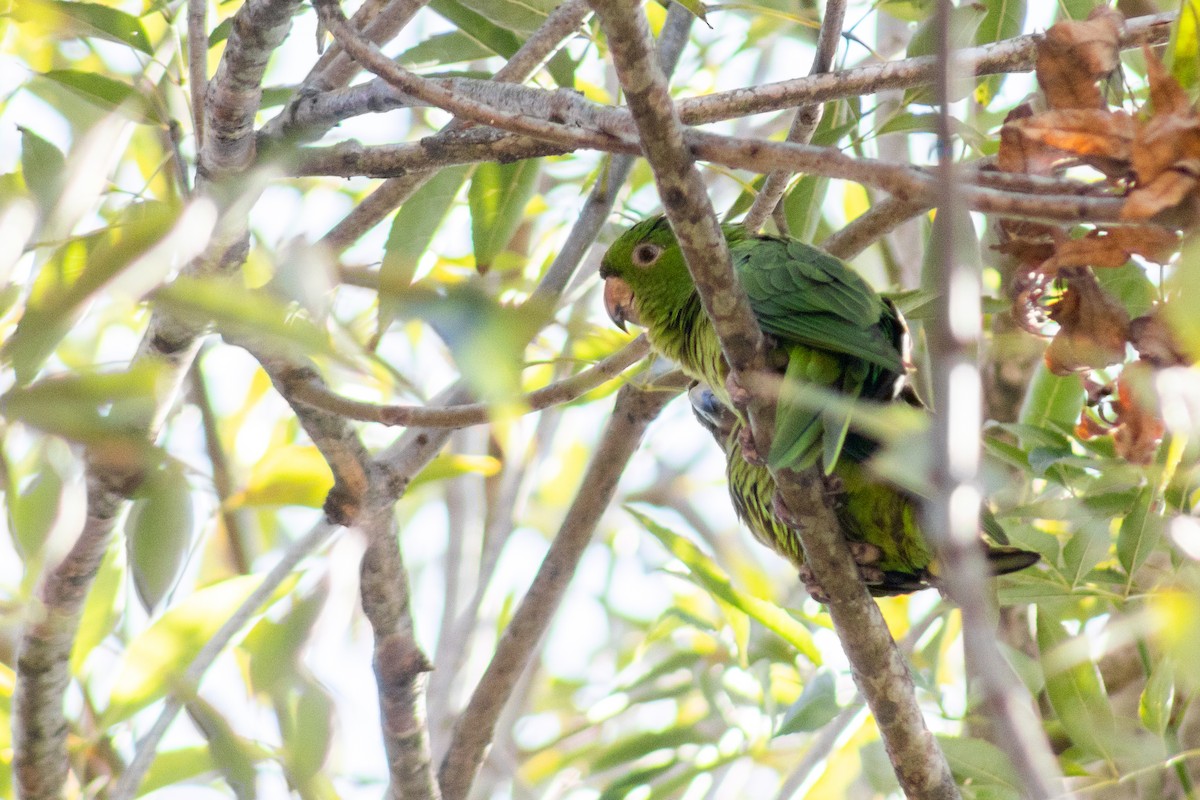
(633, 411)
(876, 222)
(808, 115)
(197, 53)
(126, 787)
(307, 387)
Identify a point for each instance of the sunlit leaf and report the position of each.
(71, 19)
(33, 510)
(275, 646)
(451, 465)
(158, 533)
(1141, 531)
(42, 165)
(412, 230)
(714, 579)
(981, 764)
(156, 660)
(442, 49)
(964, 23)
(103, 606)
(1154, 705)
(816, 707)
(308, 731)
(1183, 54)
(1004, 20)
(107, 93)
(293, 475)
(497, 198)
(1074, 689)
(176, 766)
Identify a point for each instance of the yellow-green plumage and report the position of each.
(875, 513)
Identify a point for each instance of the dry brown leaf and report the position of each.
(1138, 428)
(1093, 326)
(1148, 241)
(1155, 342)
(1073, 56)
(1166, 95)
(1037, 144)
(1093, 250)
(1166, 191)
(1162, 142)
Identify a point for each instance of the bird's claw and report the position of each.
(779, 508)
(866, 556)
(737, 393)
(749, 448)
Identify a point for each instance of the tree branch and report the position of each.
(633, 411)
(877, 221)
(879, 669)
(808, 115)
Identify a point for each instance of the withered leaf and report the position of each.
(1036, 144)
(1162, 142)
(1168, 190)
(1166, 95)
(1093, 326)
(1073, 56)
(1138, 428)
(1113, 247)
(1155, 342)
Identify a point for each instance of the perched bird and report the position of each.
(881, 521)
(823, 323)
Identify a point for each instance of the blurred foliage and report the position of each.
(685, 661)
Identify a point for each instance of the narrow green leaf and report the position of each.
(42, 165)
(33, 512)
(494, 37)
(107, 93)
(1052, 401)
(454, 47)
(1141, 531)
(156, 660)
(233, 755)
(1087, 547)
(815, 708)
(1183, 54)
(634, 747)
(176, 766)
(1131, 286)
(71, 19)
(964, 24)
(275, 647)
(718, 583)
(518, 16)
(412, 230)
(979, 763)
(103, 607)
(308, 732)
(76, 273)
(1004, 20)
(497, 198)
(1157, 698)
(158, 533)
(1074, 689)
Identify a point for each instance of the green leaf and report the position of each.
(1129, 284)
(1141, 531)
(444, 48)
(714, 579)
(412, 230)
(239, 313)
(176, 766)
(1052, 401)
(494, 37)
(1004, 20)
(33, 512)
(965, 21)
(1074, 688)
(518, 16)
(290, 475)
(307, 732)
(79, 270)
(452, 465)
(107, 93)
(1183, 54)
(159, 532)
(979, 763)
(42, 165)
(274, 647)
(233, 755)
(94, 409)
(157, 659)
(815, 708)
(1157, 698)
(631, 748)
(71, 19)
(909, 10)
(497, 198)
(1087, 547)
(103, 607)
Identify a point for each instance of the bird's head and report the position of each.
(646, 280)
(710, 412)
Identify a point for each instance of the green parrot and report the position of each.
(881, 521)
(823, 323)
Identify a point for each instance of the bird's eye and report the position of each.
(644, 255)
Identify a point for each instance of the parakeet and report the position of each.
(824, 325)
(869, 512)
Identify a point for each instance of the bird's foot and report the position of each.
(866, 556)
(738, 395)
(780, 510)
(749, 448)
(835, 487)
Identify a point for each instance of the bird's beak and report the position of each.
(618, 301)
